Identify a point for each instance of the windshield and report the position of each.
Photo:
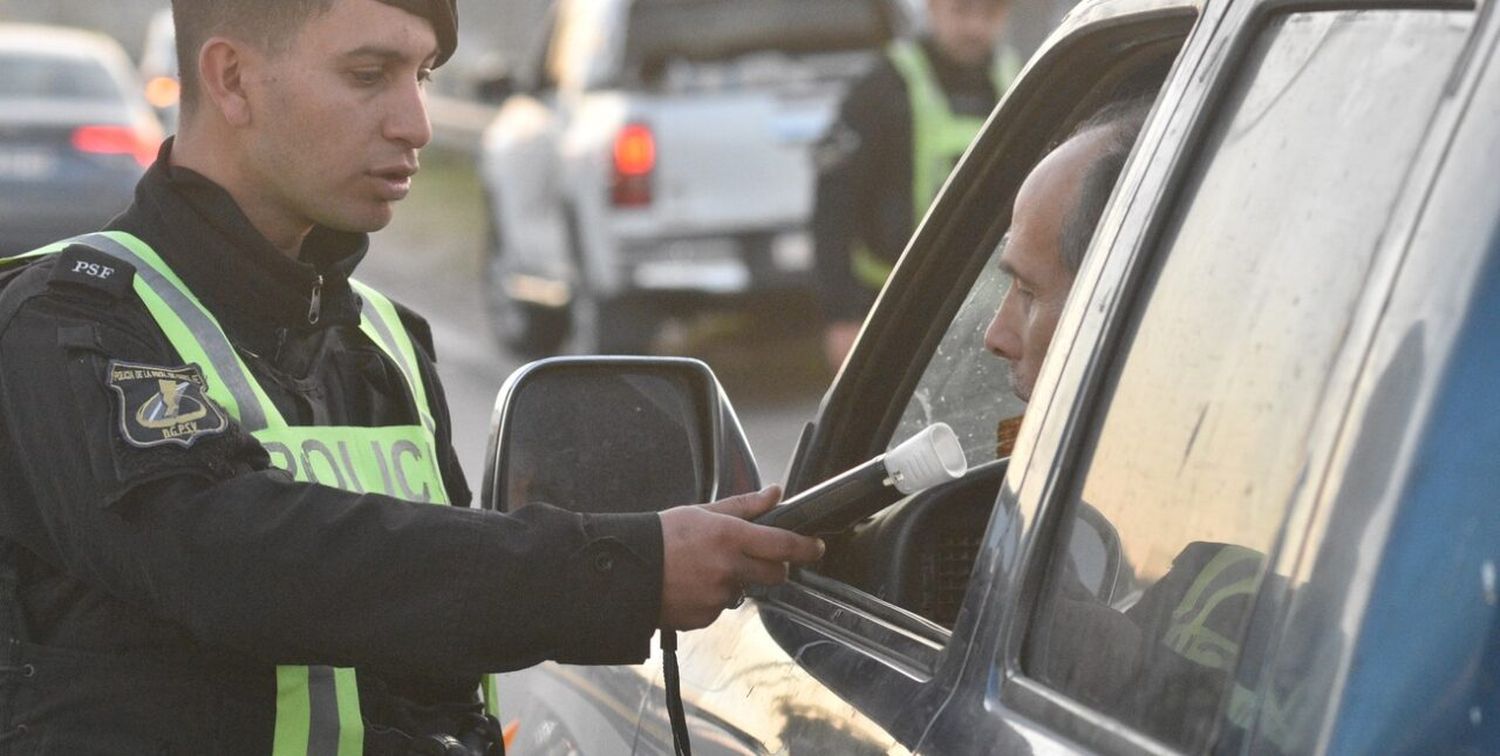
(54, 77)
(715, 30)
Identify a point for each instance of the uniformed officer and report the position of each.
(898, 135)
(218, 452)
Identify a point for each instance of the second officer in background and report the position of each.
(898, 135)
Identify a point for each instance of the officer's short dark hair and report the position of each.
(270, 25)
(1121, 122)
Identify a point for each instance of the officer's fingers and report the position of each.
(777, 545)
(747, 506)
(702, 568)
(759, 572)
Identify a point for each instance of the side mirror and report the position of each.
(614, 434)
(1094, 547)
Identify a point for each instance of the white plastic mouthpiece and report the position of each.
(931, 457)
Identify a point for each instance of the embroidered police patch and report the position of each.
(160, 405)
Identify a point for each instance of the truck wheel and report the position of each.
(525, 328)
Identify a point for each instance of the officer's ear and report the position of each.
(221, 73)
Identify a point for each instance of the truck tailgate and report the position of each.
(733, 161)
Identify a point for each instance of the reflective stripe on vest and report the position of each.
(1282, 718)
(939, 138)
(317, 708)
(1234, 571)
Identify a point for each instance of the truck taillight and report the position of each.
(635, 161)
(138, 143)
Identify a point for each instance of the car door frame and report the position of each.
(925, 659)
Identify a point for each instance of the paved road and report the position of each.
(429, 260)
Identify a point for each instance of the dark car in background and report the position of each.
(75, 133)
(1273, 382)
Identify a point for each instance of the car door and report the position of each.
(1196, 393)
(858, 655)
(1391, 633)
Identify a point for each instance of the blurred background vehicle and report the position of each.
(75, 133)
(158, 67)
(654, 161)
(432, 255)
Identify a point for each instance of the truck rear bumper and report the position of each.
(724, 265)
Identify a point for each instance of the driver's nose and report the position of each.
(1002, 338)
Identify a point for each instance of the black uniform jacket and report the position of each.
(206, 563)
(865, 173)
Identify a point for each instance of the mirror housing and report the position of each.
(614, 434)
(1098, 558)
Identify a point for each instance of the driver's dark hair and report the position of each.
(270, 25)
(1121, 123)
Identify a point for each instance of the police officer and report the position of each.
(219, 454)
(899, 133)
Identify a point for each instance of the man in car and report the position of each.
(218, 452)
(1165, 657)
(898, 135)
(1053, 220)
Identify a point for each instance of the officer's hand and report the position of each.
(711, 553)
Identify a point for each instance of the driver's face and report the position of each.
(1022, 328)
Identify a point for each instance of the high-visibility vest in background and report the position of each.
(317, 708)
(939, 138)
(1231, 579)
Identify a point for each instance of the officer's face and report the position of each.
(966, 30)
(1022, 328)
(337, 119)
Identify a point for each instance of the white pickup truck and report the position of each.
(658, 161)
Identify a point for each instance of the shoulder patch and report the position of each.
(161, 405)
(84, 266)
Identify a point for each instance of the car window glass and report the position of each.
(1200, 440)
(963, 385)
(55, 78)
(720, 29)
(664, 34)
